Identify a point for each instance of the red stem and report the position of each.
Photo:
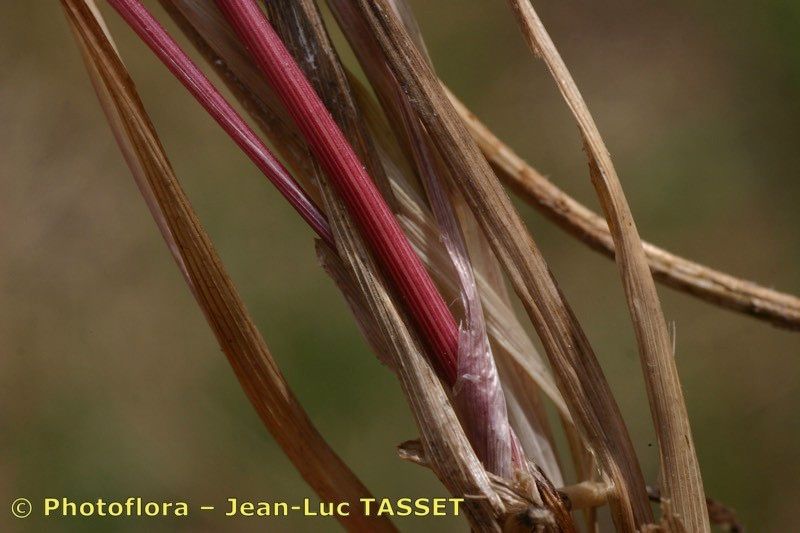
(351, 181)
(348, 176)
(159, 41)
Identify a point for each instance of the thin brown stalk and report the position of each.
(578, 373)
(713, 286)
(716, 287)
(680, 471)
(192, 249)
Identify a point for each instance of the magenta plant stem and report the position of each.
(351, 181)
(159, 41)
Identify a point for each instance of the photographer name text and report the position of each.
(240, 508)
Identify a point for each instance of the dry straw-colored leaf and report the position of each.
(680, 471)
(243, 345)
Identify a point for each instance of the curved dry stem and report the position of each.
(713, 286)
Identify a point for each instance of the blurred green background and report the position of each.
(111, 384)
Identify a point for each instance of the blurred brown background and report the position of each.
(111, 384)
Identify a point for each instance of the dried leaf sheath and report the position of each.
(462, 231)
(579, 375)
(477, 389)
(680, 471)
(452, 457)
(224, 310)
